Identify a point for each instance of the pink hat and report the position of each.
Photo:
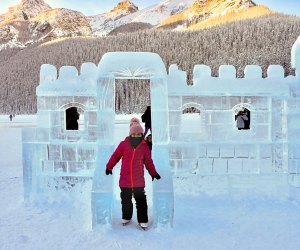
(135, 126)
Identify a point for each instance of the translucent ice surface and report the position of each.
(194, 126)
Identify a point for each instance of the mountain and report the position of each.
(219, 11)
(33, 21)
(125, 7)
(61, 23)
(250, 13)
(25, 10)
(176, 14)
(216, 7)
(104, 23)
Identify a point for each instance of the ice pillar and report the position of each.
(294, 178)
(33, 153)
(163, 197)
(295, 57)
(28, 156)
(102, 191)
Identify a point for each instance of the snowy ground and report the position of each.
(210, 212)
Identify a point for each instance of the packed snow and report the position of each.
(211, 212)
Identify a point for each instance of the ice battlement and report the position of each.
(59, 83)
(227, 83)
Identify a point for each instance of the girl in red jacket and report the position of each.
(135, 153)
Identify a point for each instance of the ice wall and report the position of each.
(218, 147)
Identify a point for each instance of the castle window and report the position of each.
(191, 119)
(243, 118)
(74, 119)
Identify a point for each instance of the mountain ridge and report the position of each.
(104, 23)
(34, 21)
(202, 10)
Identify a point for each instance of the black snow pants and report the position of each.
(141, 203)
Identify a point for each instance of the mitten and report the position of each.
(157, 176)
(107, 171)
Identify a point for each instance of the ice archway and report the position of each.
(132, 65)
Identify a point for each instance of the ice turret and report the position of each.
(295, 56)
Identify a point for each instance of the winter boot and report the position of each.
(125, 222)
(144, 225)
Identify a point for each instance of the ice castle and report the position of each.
(194, 127)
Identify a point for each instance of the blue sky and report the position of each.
(92, 7)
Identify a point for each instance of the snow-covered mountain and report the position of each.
(61, 23)
(216, 7)
(25, 10)
(104, 23)
(172, 14)
(205, 9)
(34, 20)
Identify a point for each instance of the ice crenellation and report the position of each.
(203, 81)
(68, 78)
(227, 83)
(295, 56)
(218, 126)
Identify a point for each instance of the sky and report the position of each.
(93, 7)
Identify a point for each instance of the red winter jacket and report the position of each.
(133, 161)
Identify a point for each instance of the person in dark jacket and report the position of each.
(72, 117)
(240, 120)
(135, 154)
(148, 140)
(146, 118)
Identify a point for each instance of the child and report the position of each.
(135, 153)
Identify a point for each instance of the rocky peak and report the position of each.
(219, 7)
(26, 9)
(32, 2)
(125, 6)
(35, 21)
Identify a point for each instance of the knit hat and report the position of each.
(135, 126)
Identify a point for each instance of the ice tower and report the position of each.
(197, 129)
(53, 149)
(133, 65)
